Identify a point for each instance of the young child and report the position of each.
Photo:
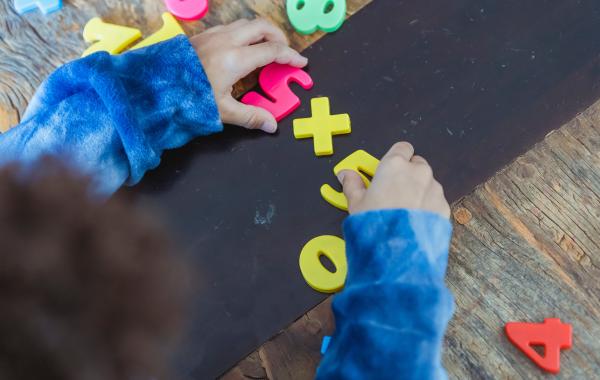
(88, 290)
(111, 117)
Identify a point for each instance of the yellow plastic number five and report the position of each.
(315, 274)
(359, 161)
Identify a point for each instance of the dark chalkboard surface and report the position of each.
(471, 84)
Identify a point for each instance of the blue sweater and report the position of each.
(391, 316)
(111, 117)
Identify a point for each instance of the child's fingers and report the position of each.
(354, 187)
(214, 29)
(419, 160)
(255, 31)
(251, 117)
(237, 23)
(439, 203)
(260, 55)
(401, 149)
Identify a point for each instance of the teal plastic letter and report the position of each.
(307, 16)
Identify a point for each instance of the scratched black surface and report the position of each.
(472, 84)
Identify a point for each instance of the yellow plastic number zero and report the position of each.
(359, 161)
(315, 274)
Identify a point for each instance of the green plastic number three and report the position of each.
(307, 16)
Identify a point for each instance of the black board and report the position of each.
(472, 84)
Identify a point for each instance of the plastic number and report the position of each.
(108, 37)
(274, 79)
(552, 334)
(169, 30)
(188, 10)
(315, 274)
(306, 16)
(46, 6)
(359, 161)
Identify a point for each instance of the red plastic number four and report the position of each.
(552, 334)
(274, 80)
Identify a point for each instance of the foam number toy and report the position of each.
(322, 126)
(169, 30)
(275, 79)
(108, 37)
(46, 6)
(315, 274)
(306, 16)
(552, 334)
(359, 161)
(187, 10)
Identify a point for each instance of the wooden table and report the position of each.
(526, 243)
(29, 52)
(526, 247)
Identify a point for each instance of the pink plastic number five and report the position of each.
(274, 80)
(188, 10)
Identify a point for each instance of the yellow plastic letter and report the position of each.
(322, 126)
(315, 274)
(169, 30)
(108, 37)
(359, 161)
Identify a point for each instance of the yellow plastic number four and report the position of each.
(108, 37)
(315, 274)
(359, 161)
(169, 30)
(116, 38)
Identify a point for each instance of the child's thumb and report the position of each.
(354, 187)
(247, 116)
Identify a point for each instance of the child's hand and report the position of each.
(230, 52)
(402, 180)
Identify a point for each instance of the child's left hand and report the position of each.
(230, 52)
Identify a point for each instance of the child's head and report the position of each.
(87, 290)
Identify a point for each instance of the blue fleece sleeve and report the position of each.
(111, 117)
(391, 316)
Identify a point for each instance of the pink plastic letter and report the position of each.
(274, 80)
(188, 10)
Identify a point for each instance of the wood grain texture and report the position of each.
(526, 247)
(34, 45)
(526, 244)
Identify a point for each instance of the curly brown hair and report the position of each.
(88, 289)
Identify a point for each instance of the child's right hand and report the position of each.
(230, 52)
(402, 180)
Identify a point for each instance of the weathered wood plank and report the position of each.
(299, 344)
(33, 45)
(526, 247)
